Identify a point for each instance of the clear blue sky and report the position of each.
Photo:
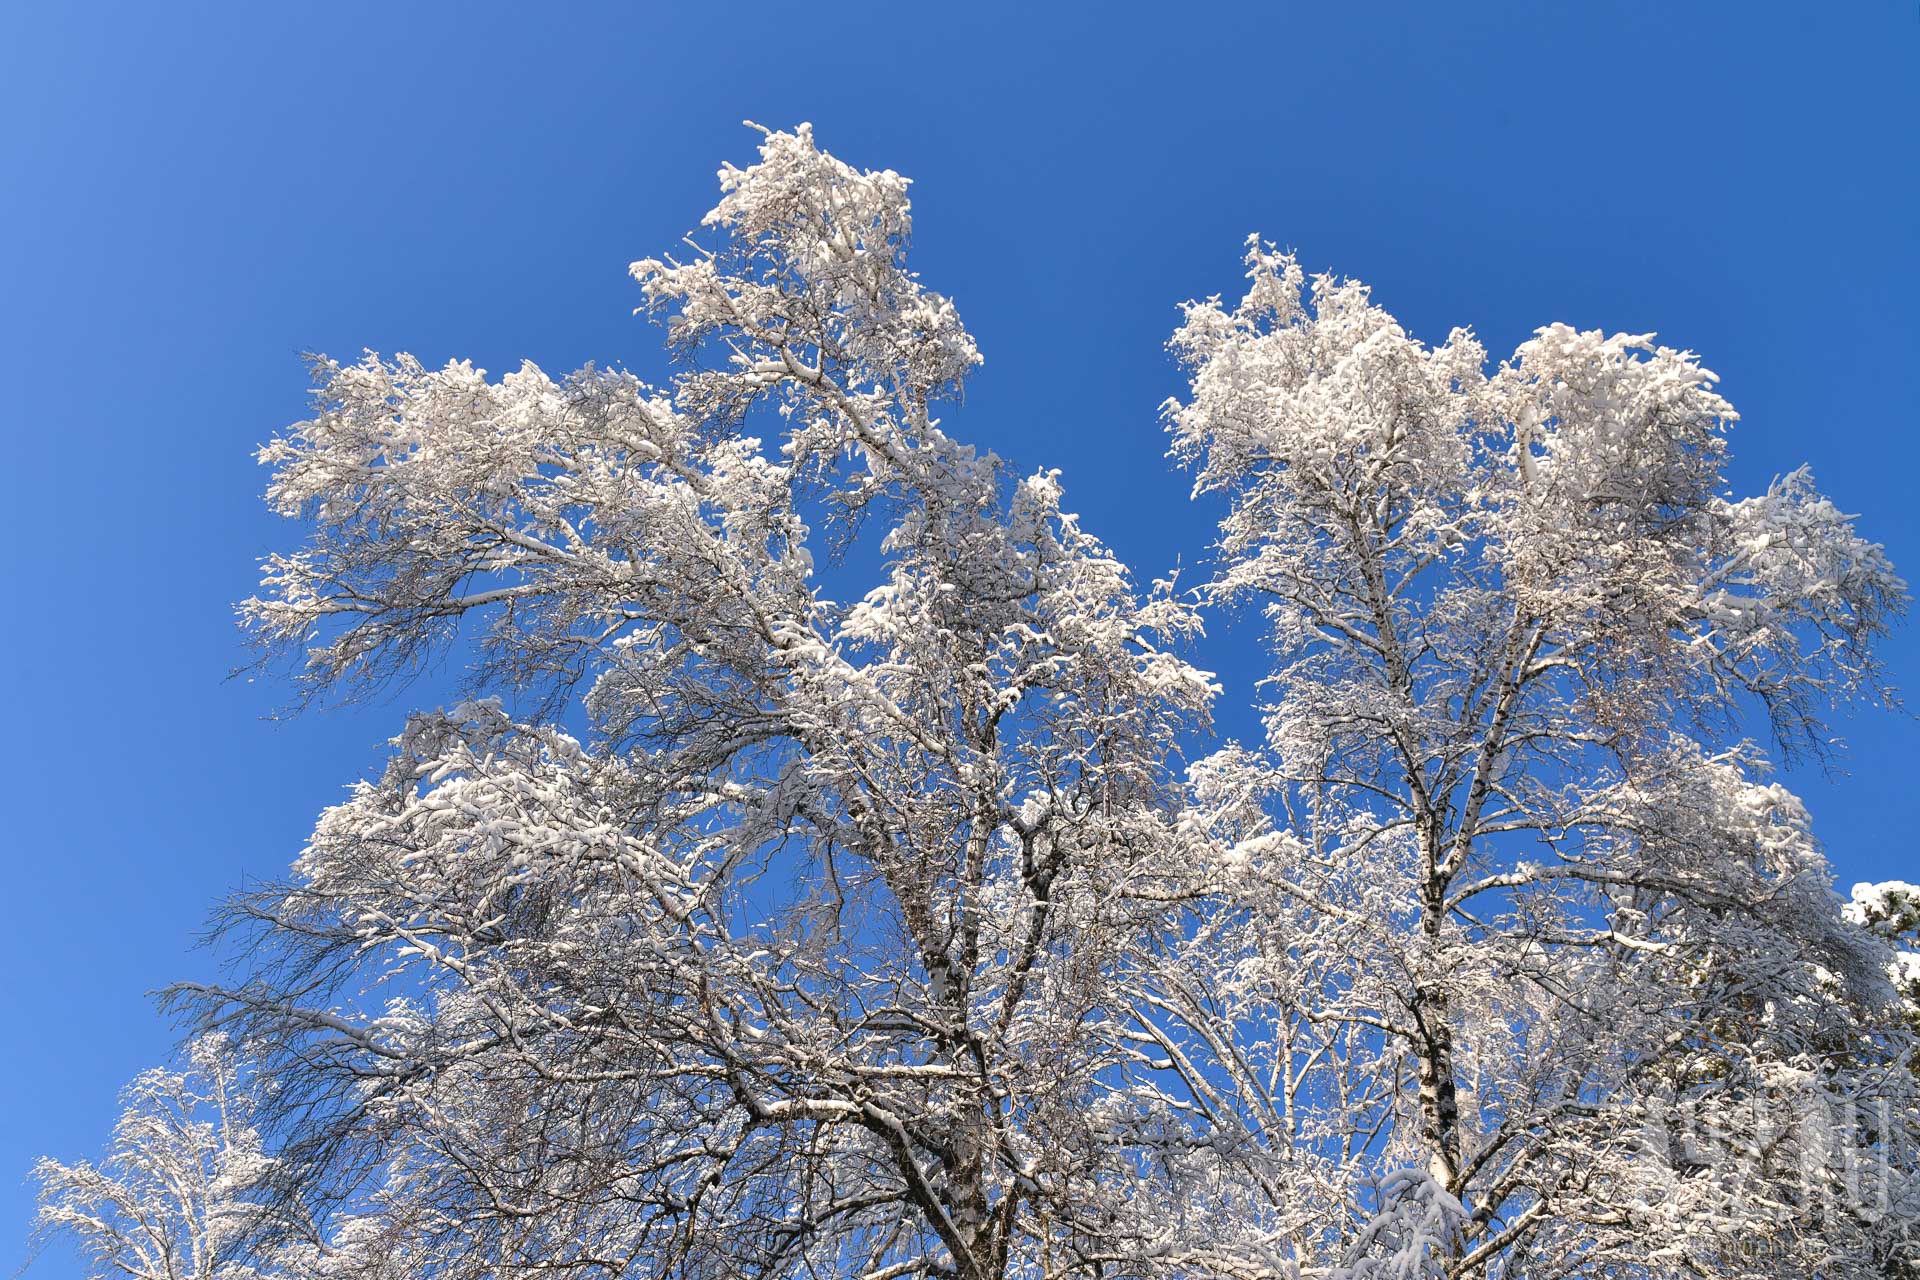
(194, 195)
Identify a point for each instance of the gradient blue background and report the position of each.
(191, 196)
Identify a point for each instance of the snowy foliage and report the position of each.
(179, 1191)
(729, 929)
(1512, 903)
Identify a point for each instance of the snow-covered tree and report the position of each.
(737, 926)
(1513, 905)
(769, 935)
(1891, 910)
(179, 1191)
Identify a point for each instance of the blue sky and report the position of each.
(194, 195)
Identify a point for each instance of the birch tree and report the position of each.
(788, 957)
(178, 1193)
(1513, 924)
